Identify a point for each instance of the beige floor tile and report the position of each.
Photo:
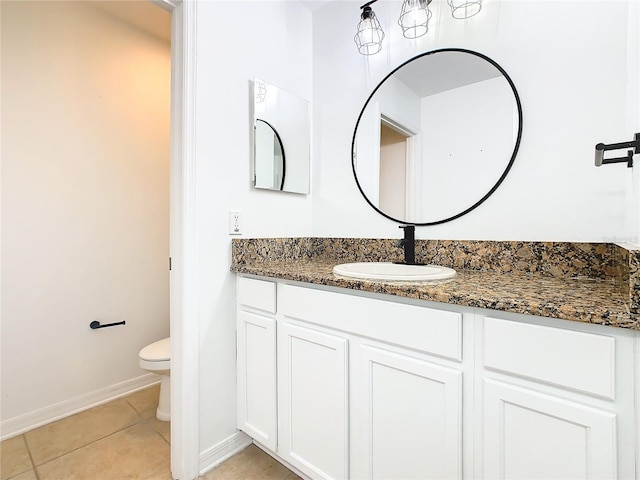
(292, 476)
(165, 474)
(250, 464)
(14, 457)
(145, 401)
(127, 455)
(163, 428)
(61, 437)
(28, 475)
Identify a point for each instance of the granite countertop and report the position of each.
(565, 293)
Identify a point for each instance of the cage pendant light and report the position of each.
(464, 8)
(369, 35)
(414, 18)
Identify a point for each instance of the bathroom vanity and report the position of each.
(355, 379)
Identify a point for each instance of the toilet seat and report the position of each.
(157, 356)
(157, 352)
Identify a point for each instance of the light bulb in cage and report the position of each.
(260, 90)
(414, 18)
(464, 8)
(369, 35)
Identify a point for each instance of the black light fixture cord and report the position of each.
(367, 4)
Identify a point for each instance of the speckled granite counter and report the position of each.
(586, 282)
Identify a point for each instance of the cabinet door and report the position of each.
(532, 435)
(313, 401)
(409, 418)
(256, 337)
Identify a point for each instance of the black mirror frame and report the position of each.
(284, 159)
(504, 174)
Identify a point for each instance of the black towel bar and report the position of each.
(96, 324)
(601, 148)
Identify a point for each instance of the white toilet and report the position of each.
(156, 358)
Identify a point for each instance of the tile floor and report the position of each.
(121, 440)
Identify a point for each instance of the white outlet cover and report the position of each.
(235, 225)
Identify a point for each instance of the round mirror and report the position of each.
(269, 157)
(436, 137)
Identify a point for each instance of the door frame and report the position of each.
(413, 170)
(183, 275)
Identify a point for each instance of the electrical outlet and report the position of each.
(234, 223)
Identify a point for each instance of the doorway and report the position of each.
(393, 171)
(184, 274)
(399, 169)
(70, 166)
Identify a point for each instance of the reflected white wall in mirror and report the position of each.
(281, 141)
(436, 137)
(467, 145)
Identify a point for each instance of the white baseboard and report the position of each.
(223, 450)
(28, 421)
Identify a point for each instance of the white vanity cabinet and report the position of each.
(256, 360)
(368, 386)
(556, 402)
(402, 394)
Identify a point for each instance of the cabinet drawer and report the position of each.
(429, 330)
(258, 294)
(577, 360)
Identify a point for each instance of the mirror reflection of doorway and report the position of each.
(393, 171)
(398, 165)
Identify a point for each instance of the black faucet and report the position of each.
(409, 244)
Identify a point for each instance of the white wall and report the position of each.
(571, 62)
(367, 152)
(236, 42)
(85, 219)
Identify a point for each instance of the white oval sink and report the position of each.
(398, 272)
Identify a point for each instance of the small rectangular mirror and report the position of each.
(281, 146)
